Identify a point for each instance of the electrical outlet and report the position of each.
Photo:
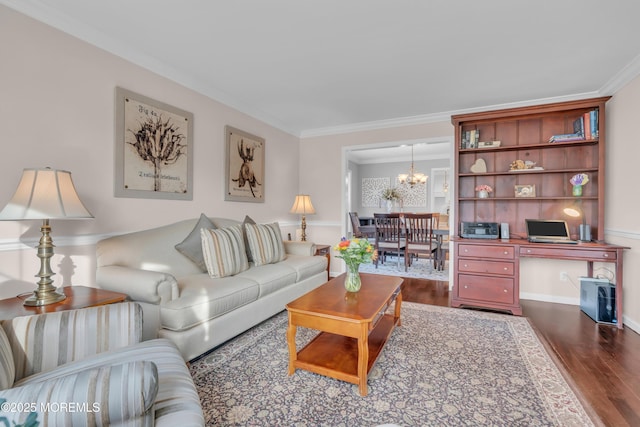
(564, 276)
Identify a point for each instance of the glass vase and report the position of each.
(483, 194)
(352, 282)
(577, 190)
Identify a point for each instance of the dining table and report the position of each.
(368, 229)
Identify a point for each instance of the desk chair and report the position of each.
(419, 236)
(389, 236)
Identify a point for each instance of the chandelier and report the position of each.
(413, 177)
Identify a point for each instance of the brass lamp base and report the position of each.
(46, 293)
(41, 297)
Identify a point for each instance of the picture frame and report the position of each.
(244, 166)
(528, 190)
(140, 172)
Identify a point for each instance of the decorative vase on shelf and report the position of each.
(352, 282)
(483, 194)
(577, 190)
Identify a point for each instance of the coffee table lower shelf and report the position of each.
(337, 356)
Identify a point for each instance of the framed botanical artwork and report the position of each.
(153, 149)
(244, 166)
(525, 190)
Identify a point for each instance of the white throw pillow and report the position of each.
(223, 251)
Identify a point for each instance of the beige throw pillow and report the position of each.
(224, 252)
(265, 243)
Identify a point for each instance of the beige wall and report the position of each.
(623, 204)
(57, 110)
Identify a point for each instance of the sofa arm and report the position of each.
(299, 248)
(42, 342)
(111, 394)
(152, 287)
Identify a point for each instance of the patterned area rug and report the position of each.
(442, 367)
(421, 268)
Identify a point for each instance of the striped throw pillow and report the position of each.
(265, 243)
(223, 251)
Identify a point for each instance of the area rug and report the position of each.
(420, 269)
(442, 367)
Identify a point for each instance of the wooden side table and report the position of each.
(326, 251)
(77, 297)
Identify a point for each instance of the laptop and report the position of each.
(548, 231)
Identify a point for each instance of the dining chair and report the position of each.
(361, 232)
(419, 236)
(389, 236)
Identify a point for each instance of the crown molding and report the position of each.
(436, 117)
(622, 78)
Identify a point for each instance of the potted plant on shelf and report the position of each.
(483, 191)
(390, 195)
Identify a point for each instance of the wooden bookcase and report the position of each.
(524, 134)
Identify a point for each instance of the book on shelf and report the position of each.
(470, 139)
(585, 127)
(567, 137)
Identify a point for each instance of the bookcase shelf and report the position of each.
(524, 134)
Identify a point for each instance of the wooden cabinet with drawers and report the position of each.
(486, 275)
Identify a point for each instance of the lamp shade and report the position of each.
(45, 194)
(302, 205)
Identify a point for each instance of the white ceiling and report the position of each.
(313, 67)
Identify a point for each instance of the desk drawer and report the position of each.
(504, 268)
(568, 253)
(487, 251)
(484, 288)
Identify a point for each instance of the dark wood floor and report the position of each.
(602, 361)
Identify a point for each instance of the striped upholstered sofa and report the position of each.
(89, 367)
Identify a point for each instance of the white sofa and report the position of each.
(88, 367)
(182, 302)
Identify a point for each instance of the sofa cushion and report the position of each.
(7, 368)
(224, 251)
(265, 242)
(203, 298)
(271, 277)
(305, 266)
(191, 246)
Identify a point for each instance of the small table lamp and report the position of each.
(302, 206)
(575, 211)
(45, 194)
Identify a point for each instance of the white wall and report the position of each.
(57, 110)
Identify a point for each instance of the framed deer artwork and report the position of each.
(244, 166)
(153, 149)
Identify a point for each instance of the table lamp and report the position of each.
(302, 206)
(575, 211)
(44, 194)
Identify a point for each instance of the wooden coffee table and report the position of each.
(354, 327)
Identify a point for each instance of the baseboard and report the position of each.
(550, 298)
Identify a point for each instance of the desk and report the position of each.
(486, 271)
